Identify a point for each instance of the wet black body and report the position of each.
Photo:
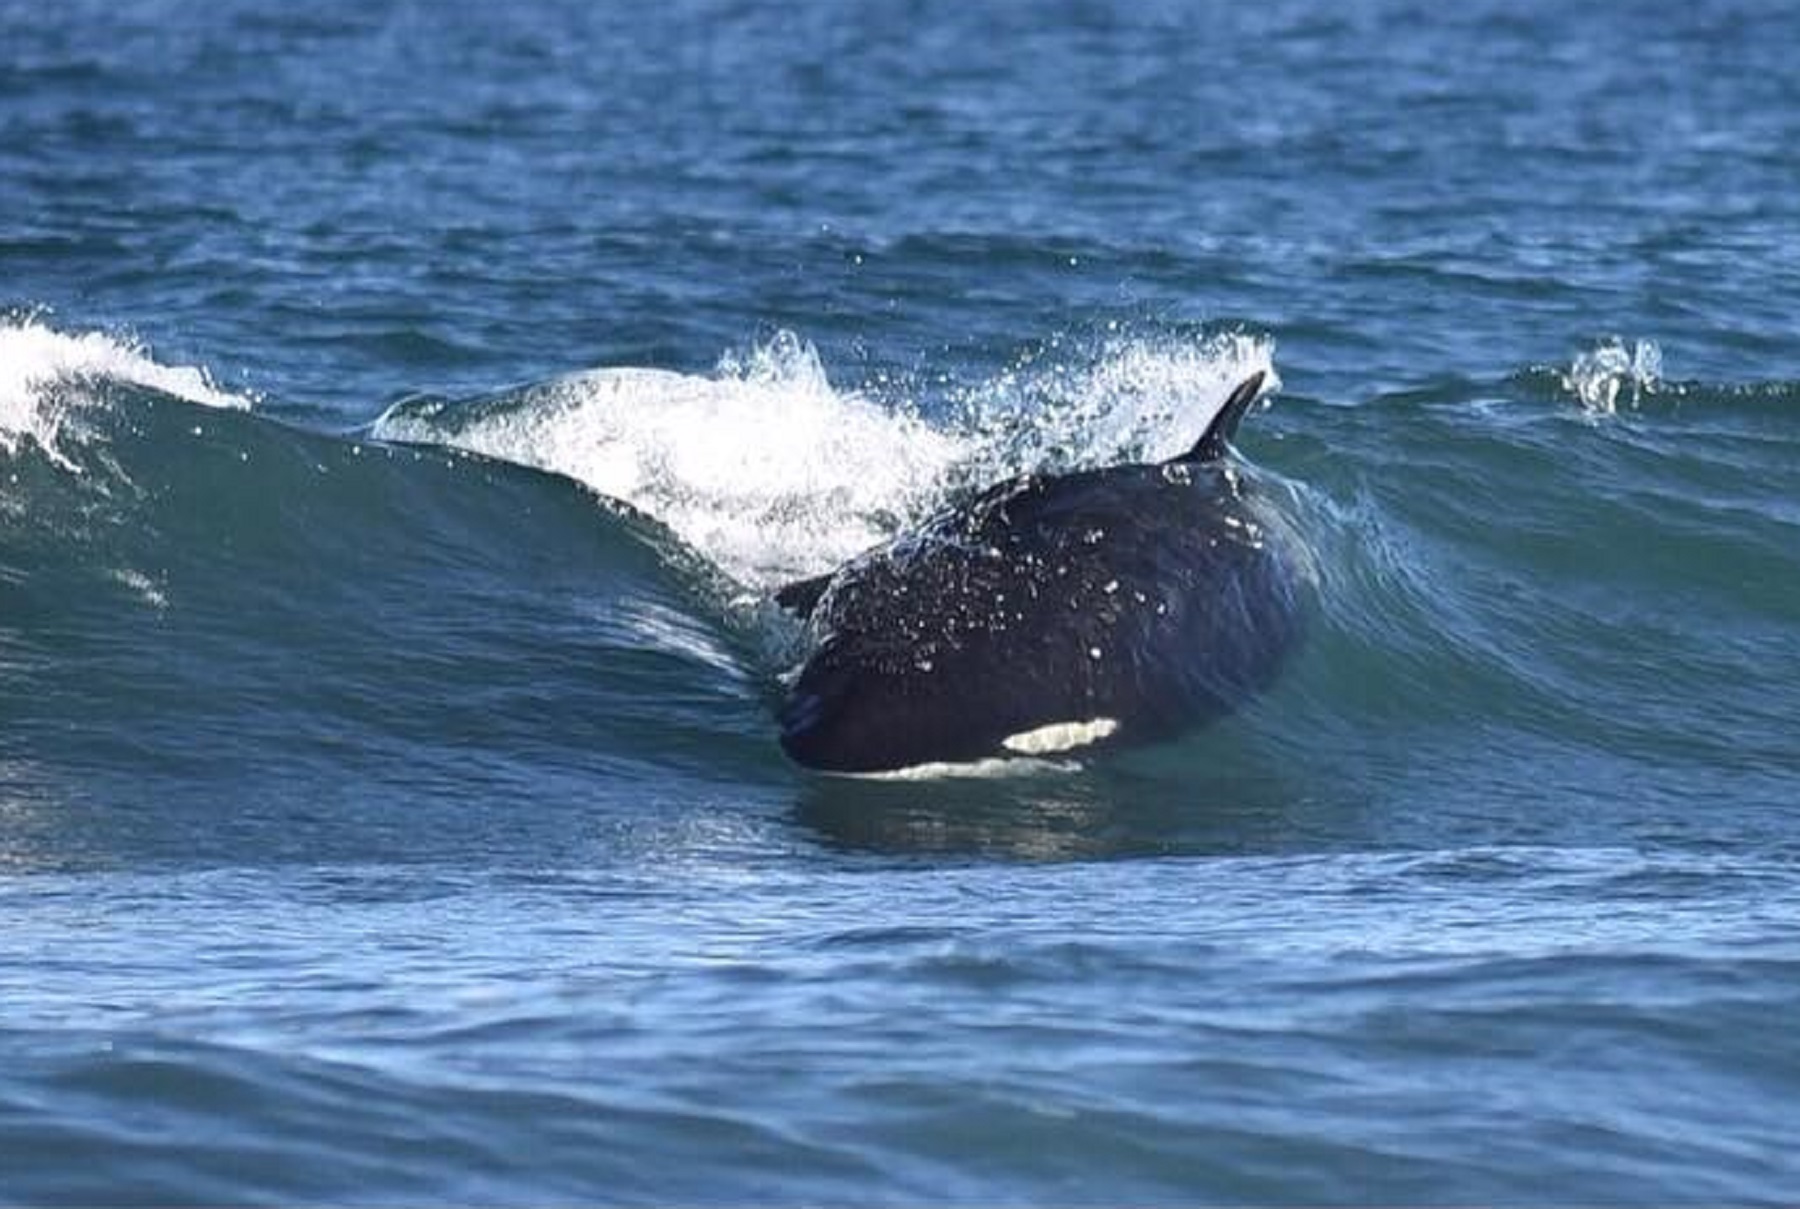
(1154, 597)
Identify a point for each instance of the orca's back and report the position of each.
(1119, 604)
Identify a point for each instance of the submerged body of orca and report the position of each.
(1052, 612)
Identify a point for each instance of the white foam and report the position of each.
(763, 466)
(146, 589)
(1610, 371)
(1130, 397)
(38, 363)
(773, 473)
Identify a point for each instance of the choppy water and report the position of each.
(384, 819)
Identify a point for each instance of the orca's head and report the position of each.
(845, 716)
(828, 723)
(809, 733)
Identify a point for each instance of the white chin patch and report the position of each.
(991, 768)
(1060, 736)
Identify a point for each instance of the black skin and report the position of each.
(1159, 596)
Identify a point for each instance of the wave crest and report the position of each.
(764, 466)
(772, 472)
(42, 371)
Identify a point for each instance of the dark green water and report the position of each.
(402, 409)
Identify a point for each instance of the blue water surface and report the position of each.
(405, 408)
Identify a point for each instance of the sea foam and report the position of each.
(772, 472)
(1612, 372)
(42, 371)
(762, 466)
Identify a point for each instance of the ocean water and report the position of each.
(406, 408)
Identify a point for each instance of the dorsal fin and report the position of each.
(1216, 442)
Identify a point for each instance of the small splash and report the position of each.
(143, 587)
(784, 361)
(43, 372)
(1123, 396)
(1613, 373)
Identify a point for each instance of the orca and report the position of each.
(1051, 613)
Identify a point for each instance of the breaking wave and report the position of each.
(39, 365)
(772, 471)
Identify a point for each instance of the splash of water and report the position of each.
(42, 371)
(763, 466)
(772, 472)
(1125, 397)
(1612, 373)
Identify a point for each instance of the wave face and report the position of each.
(404, 420)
